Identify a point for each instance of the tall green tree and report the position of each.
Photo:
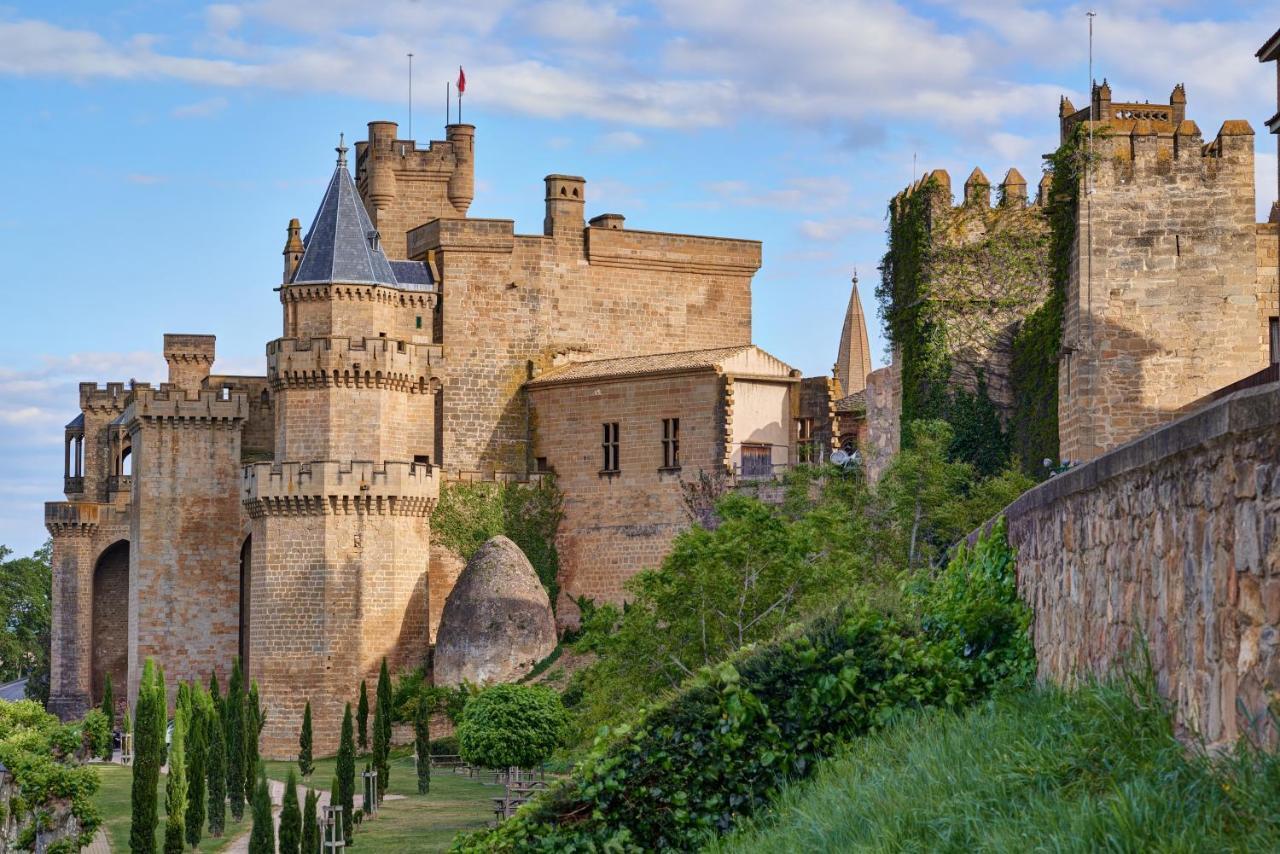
(197, 762)
(382, 730)
(254, 720)
(346, 771)
(262, 839)
(335, 800)
(422, 741)
(175, 793)
(310, 828)
(234, 721)
(216, 761)
(109, 709)
(290, 817)
(26, 593)
(362, 717)
(161, 722)
(306, 760)
(146, 763)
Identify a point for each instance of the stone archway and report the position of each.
(110, 644)
(246, 577)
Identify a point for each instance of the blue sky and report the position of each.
(157, 149)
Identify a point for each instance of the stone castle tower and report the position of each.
(1163, 300)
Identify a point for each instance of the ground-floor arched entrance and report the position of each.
(110, 638)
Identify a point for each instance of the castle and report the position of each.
(285, 518)
(1169, 293)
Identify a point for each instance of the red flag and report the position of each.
(462, 81)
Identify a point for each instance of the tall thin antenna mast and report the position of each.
(410, 96)
(1088, 206)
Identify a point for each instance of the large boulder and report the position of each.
(497, 622)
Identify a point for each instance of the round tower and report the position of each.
(292, 250)
(462, 183)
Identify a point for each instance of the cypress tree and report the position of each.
(109, 709)
(262, 839)
(234, 722)
(197, 763)
(216, 762)
(290, 817)
(161, 721)
(306, 761)
(382, 730)
(362, 717)
(422, 741)
(366, 803)
(146, 766)
(310, 830)
(254, 720)
(346, 773)
(175, 794)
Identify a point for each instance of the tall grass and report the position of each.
(1097, 769)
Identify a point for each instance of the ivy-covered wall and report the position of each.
(956, 284)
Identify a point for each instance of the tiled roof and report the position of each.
(413, 275)
(660, 363)
(76, 423)
(856, 402)
(342, 244)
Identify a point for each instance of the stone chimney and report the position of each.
(565, 204)
(190, 359)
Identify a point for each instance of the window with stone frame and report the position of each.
(671, 443)
(806, 448)
(610, 448)
(1274, 329)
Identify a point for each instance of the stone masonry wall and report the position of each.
(1172, 538)
(884, 417)
(599, 544)
(1171, 310)
(187, 528)
(511, 301)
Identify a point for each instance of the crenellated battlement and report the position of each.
(354, 362)
(339, 488)
(1011, 192)
(381, 294)
(170, 403)
(112, 397)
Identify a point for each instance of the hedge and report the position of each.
(721, 748)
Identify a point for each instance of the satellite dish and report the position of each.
(839, 457)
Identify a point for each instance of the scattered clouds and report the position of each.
(807, 194)
(837, 228)
(621, 140)
(595, 24)
(201, 109)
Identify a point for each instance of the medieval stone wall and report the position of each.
(884, 418)
(510, 301)
(1164, 308)
(354, 311)
(186, 529)
(602, 541)
(1171, 539)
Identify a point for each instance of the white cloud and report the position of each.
(201, 109)
(836, 228)
(620, 140)
(595, 24)
(810, 193)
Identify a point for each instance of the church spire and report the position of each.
(853, 361)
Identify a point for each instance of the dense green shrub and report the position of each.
(511, 726)
(233, 720)
(1095, 769)
(40, 753)
(469, 514)
(175, 791)
(148, 741)
(722, 747)
(109, 711)
(422, 745)
(310, 829)
(306, 758)
(444, 746)
(290, 837)
(97, 733)
(262, 838)
(217, 760)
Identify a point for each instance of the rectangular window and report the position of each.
(418, 321)
(1275, 339)
(756, 461)
(806, 450)
(422, 460)
(612, 462)
(671, 443)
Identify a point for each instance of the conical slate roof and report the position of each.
(342, 245)
(853, 362)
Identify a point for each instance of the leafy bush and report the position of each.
(1096, 769)
(39, 753)
(97, 732)
(511, 726)
(444, 746)
(722, 747)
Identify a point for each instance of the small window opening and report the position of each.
(612, 461)
(418, 321)
(1274, 327)
(756, 461)
(225, 394)
(806, 450)
(422, 460)
(671, 443)
(541, 463)
(1177, 244)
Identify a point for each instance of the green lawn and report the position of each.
(113, 801)
(420, 822)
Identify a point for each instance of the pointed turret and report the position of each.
(342, 245)
(293, 250)
(853, 362)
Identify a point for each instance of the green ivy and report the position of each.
(722, 747)
(1037, 345)
(469, 514)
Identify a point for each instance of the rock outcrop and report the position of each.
(497, 623)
